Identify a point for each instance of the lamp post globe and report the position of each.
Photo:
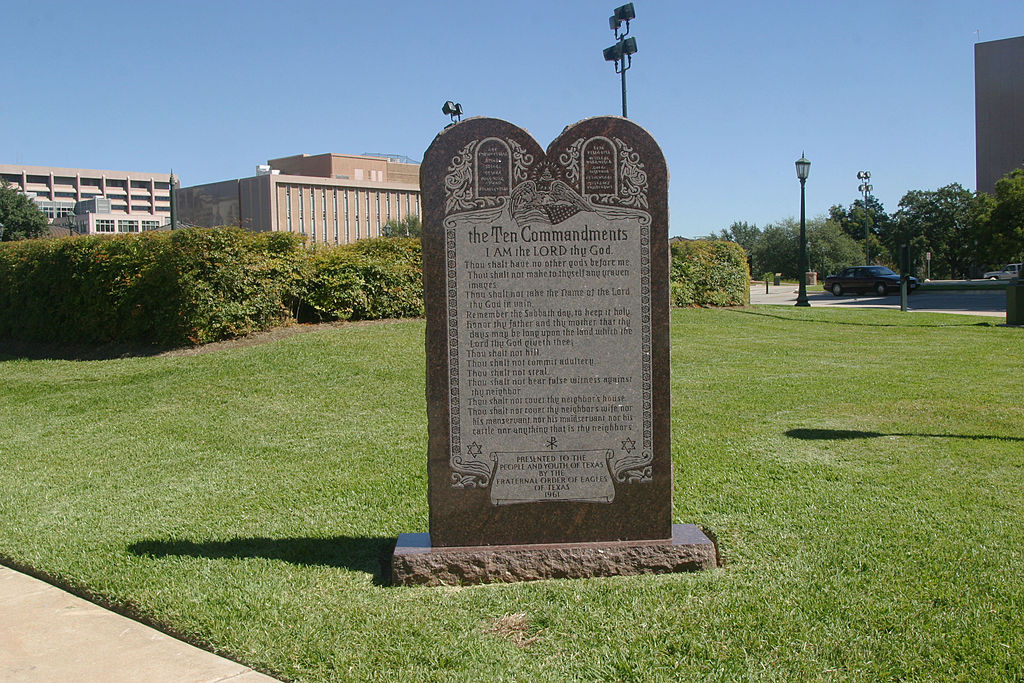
(803, 169)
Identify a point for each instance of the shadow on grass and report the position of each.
(370, 555)
(846, 434)
(851, 322)
(17, 350)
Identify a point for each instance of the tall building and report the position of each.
(127, 201)
(331, 198)
(998, 109)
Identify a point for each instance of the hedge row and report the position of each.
(198, 285)
(709, 273)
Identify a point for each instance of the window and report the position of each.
(378, 213)
(302, 225)
(288, 207)
(368, 213)
(104, 225)
(66, 195)
(346, 217)
(335, 216)
(140, 184)
(140, 197)
(387, 199)
(150, 225)
(162, 186)
(323, 210)
(356, 195)
(312, 215)
(127, 226)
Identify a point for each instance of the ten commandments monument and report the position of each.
(546, 283)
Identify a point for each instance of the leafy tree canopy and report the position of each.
(20, 216)
(410, 226)
(1005, 229)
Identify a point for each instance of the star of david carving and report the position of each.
(474, 448)
(629, 445)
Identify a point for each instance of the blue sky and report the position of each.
(733, 91)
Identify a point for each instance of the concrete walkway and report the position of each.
(48, 635)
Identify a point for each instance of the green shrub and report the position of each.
(200, 285)
(368, 280)
(187, 287)
(709, 273)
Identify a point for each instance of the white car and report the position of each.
(1010, 271)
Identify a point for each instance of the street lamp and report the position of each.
(803, 168)
(865, 189)
(621, 52)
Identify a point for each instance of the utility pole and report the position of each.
(865, 188)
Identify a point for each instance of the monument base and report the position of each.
(415, 562)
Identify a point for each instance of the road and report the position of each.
(967, 302)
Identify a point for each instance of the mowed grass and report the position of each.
(863, 472)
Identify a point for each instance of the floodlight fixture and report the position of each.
(613, 53)
(619, 15)
(453, 109)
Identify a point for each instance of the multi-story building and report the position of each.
(129, 201)
(998, 109)
(331, 198)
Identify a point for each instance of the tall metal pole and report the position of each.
(801, 299)
(865, 188)
(624, 94)
(174, 202)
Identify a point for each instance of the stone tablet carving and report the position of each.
(546, 278)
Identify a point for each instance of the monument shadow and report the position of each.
(361, 554)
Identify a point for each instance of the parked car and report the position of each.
(1009, 271)
(877, 279)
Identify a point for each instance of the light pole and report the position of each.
(803, 168)
(621, 52)
(865, 189)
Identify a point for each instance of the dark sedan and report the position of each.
(860, 279)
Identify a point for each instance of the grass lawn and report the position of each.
(863, 472)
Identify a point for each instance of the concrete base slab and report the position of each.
(415, 562)
(47, 635)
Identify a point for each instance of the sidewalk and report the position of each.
(47, 635)
(987, 303)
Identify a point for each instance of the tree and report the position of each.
(852, 221)
(410, 226)
(19, 215)
(943, 222)
(778, 249)
(829, 249)
(1004, 229)
(742, 233)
